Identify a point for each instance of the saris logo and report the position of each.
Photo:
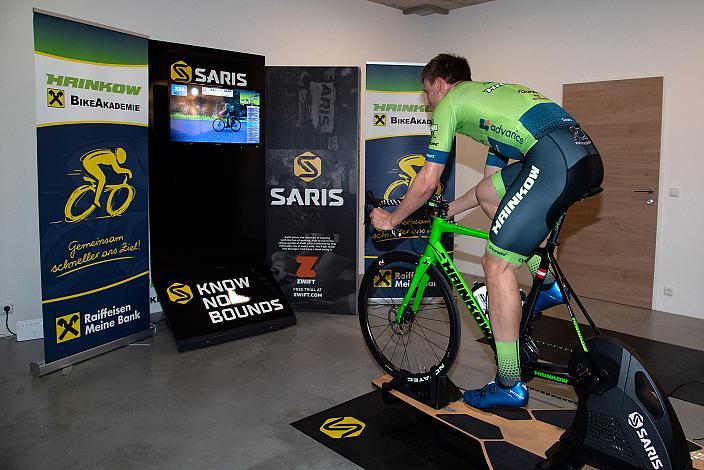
(307, 166)
(181, 72)
(179, 293)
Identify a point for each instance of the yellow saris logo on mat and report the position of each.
(68, 327)
(342, 428)
(179, 293)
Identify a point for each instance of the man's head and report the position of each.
(441, 74)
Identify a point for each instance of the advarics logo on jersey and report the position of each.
(486, 125)
(307, 166)
(635, 420)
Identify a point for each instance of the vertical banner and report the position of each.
(312, 156)
(92, 117)
(398, 124)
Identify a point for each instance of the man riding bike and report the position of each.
(555, 163)
(227, 112)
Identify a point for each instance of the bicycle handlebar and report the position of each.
(437, 206)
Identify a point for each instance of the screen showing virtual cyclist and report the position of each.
(214, 115)
(539, 162)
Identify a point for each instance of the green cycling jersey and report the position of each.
(508, 118)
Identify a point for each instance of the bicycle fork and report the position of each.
(415, 291)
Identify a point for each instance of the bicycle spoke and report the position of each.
(430, 329)
(382, 332)
(405, 353)
(377, 316)
(428, 340)
(387, 342)
(431, 319)
(440, 348)
(394, 353)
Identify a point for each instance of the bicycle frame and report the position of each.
(435, 254)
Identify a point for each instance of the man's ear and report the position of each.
(442, 84)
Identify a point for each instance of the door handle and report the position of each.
(649, 190)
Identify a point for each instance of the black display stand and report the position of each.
(207, 195)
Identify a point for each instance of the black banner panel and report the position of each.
(218, 305)
(312, 155)
(207, 195)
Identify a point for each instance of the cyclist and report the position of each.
(91, 163)
(556, 163)
(228, 112)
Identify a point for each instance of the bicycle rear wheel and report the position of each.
(421, 346)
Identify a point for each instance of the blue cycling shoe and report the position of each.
(492, 395)
(549, 296)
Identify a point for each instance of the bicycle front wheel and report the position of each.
(218, 125)
(424, 343)
(236, 125)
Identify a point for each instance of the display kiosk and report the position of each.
(207, 195)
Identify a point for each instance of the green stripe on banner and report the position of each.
(79, 41)
(389, 77)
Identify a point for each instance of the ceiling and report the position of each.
(428, 7)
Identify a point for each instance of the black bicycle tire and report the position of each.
(436, 275)
(232, 125)
(223, 124)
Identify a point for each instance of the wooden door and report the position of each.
(608, 242)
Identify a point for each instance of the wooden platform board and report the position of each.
(503, 433)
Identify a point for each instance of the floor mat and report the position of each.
(392, 436)
(679, 370)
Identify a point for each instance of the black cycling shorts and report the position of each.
(559, 169)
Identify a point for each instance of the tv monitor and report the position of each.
(220, 115)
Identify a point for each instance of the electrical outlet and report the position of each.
(669, 291)
(4, 307)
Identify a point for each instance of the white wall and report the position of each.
(546, 43)
(301, 32)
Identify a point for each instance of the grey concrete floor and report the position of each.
(230, 406)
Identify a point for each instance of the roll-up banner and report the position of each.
(312, 155)
(398, 124)
(92, 112)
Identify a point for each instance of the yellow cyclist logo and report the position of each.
(409, 167)
(120, 196)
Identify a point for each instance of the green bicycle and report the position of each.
(409, 317)
(410, 323)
